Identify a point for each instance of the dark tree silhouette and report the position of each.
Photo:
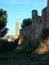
(26, 22)
(3, 21)
(6, 46)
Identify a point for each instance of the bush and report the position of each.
(28, 44)
(7, 46)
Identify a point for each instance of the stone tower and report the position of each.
(44, 17)
(36, 24)
(47, 14)
(34, 21)
(48, 3)
(17, 32)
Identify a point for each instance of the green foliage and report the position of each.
(26, 22)
(28, 44)
(6, 46)
(3, 21)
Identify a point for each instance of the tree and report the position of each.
(3, 22)
(26, 22)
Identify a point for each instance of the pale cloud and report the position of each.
(39, 3)
(8, 1)
(24, 2)
(15, 2)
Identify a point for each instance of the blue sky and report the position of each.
(18, 10)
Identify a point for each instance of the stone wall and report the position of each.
(33, 30)
(38, 23)
(26, 31)
(47, 14)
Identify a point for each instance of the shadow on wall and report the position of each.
(44, 42)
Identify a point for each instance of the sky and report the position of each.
(18, 10)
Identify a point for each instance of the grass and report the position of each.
(12, 61)
(11, 53)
